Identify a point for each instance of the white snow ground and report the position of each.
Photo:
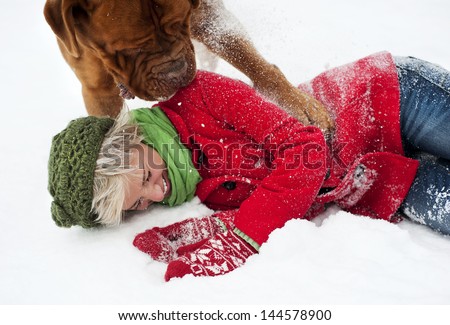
(339, 259)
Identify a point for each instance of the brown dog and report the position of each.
(143, 47)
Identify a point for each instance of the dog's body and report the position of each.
(145, 48)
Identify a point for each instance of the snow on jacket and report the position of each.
(268, 167)
(368, 173)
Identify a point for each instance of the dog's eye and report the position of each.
(157, 8)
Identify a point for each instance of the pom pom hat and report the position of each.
(71, 167)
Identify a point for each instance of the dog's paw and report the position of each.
(317, 114)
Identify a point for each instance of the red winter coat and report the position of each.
(255, 158)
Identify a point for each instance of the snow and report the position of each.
(337, 259)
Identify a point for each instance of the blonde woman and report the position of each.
(257, 166)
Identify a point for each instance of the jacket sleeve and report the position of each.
(297, 154)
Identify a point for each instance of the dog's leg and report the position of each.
(100, 92)
(219, 30)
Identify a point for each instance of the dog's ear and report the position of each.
(195, 3)
(63, 17)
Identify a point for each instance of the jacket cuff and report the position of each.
(221, 224)
(247, 239)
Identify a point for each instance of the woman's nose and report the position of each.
(154, 193)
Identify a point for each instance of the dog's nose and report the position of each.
(178, 65)
(176, 70)
(166, 78)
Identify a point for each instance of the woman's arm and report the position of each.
(298, 164)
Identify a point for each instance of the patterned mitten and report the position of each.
(219, 255)
(162, 243)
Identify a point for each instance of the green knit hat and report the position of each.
(71, 167)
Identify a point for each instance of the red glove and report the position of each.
(219, 255)
(165, 244)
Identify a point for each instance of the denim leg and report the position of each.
(424, 106)
(425, 128)
(428, 200)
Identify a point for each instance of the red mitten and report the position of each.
(162, 243)
(226, 217)
(156, 245)
(219, 255)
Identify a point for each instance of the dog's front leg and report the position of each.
(100, 92)
(220, 31)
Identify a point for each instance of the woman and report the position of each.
(259, 167)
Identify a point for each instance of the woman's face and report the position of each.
(149, 182)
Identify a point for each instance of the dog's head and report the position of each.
(143, 44)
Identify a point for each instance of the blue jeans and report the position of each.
(425, 129)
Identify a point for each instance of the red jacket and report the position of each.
(256, 159)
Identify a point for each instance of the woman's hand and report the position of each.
(218, 255)
(165, 244)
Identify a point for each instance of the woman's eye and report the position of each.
(141, 200)
(149, 175)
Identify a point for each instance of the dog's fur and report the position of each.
(145, 47)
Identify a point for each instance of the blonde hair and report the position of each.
(113, 168)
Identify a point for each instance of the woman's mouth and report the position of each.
(166, 184)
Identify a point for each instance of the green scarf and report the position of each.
(160, 134)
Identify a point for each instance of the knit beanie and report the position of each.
(71, 168)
